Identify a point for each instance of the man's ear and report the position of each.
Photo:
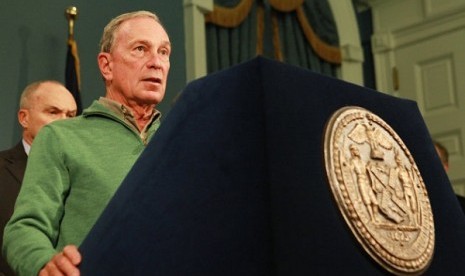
(23, 117)
(104, 64)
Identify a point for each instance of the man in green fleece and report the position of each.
(76, 165)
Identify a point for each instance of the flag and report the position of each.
(72, 78)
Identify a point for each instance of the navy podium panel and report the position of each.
(233, 183)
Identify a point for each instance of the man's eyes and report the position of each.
(164, 52)
(161, 51)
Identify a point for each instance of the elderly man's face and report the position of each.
(139, 62)
(48, 103)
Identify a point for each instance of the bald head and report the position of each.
(41, 103)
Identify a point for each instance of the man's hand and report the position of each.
(63, 263)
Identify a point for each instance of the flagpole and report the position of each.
(72, 75)
(71, 15)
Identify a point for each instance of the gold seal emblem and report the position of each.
(379, 190)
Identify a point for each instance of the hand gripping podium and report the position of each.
(234, 183)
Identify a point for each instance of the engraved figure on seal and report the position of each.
(364, 186)
(406, 181)
(366, 133)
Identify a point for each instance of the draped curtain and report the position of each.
(298, 32)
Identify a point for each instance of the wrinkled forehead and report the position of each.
(54, 96)
(139, 26)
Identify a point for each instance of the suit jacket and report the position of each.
(12, 166)
(461, 201)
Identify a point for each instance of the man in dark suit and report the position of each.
(12, 165)
(41, 103)
(444, 156)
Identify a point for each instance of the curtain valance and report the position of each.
(322, 38)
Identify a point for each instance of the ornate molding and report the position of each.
(382, 42)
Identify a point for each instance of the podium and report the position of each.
(234, 183)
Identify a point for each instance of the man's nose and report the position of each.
(156, 60)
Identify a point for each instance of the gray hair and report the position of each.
(108, 36)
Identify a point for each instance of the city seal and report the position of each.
(379, 190)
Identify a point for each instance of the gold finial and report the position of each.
(71, 14)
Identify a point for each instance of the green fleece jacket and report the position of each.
(74, 168)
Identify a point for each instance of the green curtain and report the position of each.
(298, 32)
(228, 46)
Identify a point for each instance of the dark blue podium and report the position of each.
(234, 183)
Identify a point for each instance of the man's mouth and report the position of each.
(153, 80)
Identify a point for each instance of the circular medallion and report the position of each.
(379, 190)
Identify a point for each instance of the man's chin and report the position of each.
(153, 97)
